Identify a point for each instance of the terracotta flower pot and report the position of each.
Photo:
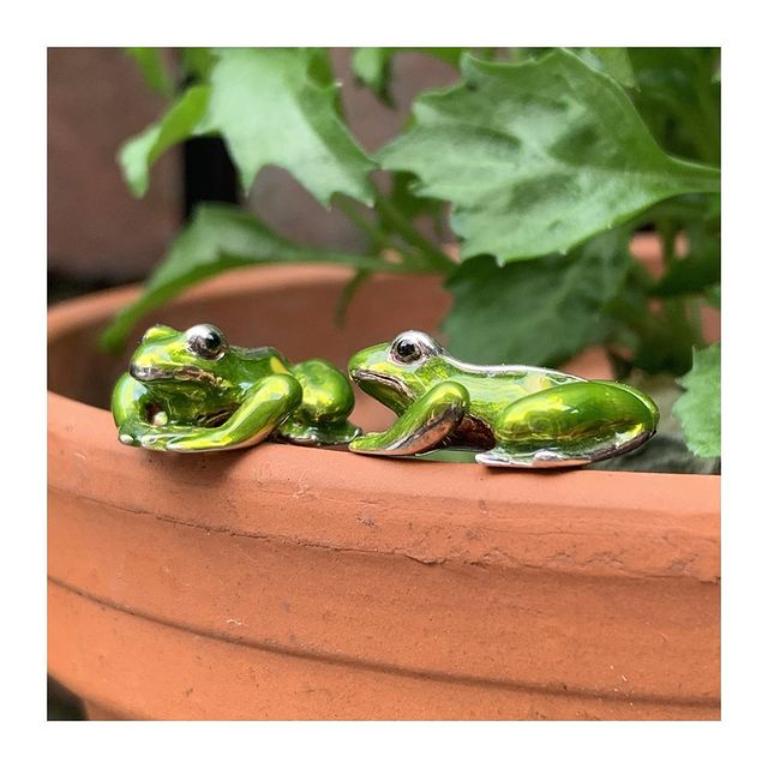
(285, 582)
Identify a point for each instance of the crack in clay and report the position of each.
(560, 562)
(554, 689)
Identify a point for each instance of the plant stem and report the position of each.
(668, 232)
(347, 293)
(347, 207)
(432, 255)
(379, 239)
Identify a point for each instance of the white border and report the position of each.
(28, 739)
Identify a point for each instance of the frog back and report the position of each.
(258, 362)
(492, 388)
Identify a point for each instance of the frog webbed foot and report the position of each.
(127, 435)
(423, 426)
(543, 458)
(137, 433)
(140, 434)
(328, 433)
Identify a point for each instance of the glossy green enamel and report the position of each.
(521, 416)
(176, 399)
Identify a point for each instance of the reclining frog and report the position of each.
(193, 391)
(518, 416)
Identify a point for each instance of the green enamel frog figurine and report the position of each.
(193, 391)
(517, 416)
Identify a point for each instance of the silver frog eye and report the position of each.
(411, 346)
(206, 341)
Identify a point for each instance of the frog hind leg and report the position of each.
(423, 426)
(571, 425)
(268, 403)
(327, 400)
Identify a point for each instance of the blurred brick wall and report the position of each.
(97, 98)
(96, 229)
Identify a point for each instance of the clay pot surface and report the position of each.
(291, 583)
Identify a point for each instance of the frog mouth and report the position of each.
(182, 373)
(382, 379)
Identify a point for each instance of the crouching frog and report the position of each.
(518, 416)
(193, 391)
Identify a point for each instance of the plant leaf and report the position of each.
(537, 157)
(271, 106)
(410, 205)
(182, 120)
(666, 339)
(699, 406)
(198, 62)
(693, 273)
(153, 69)
(277, 106)
(678, 98)
(536, 312)
(658, 339)
(373, 68)
(220, 238)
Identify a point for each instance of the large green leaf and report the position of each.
(220, 238)
(272, 107)
(537, 157)
(276, 106)
(699, 406)
(536, 312)
(613, 61)
(180, 122)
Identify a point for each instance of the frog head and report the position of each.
(399, 372)
(197, 359)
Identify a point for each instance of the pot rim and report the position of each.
(430, 507)
(100, 305)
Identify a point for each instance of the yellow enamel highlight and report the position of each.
(277, 366)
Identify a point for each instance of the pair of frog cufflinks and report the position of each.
(192, 391)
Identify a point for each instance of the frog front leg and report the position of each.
(267, 404)
(130, 405)
(571, 424)
(423, 425)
